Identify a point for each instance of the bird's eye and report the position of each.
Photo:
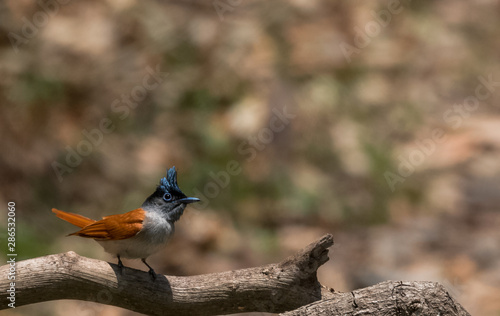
(167, 197)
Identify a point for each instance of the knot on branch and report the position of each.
(309, 259)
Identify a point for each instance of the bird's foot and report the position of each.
(152, 273)
(120, 264)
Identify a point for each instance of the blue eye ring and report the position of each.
(167, 197)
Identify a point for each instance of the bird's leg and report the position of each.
(120, 264)
(151, 271)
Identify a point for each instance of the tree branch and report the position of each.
(270, 288)
(291, 286)
(389, 298)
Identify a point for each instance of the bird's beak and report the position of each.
(188, 200)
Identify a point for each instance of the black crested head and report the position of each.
(168, 198)
(169, 183)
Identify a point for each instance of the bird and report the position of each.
(140, 232)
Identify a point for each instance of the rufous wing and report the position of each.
(75, 219)
(114, 227)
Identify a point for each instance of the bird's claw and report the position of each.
(152, 273)
(120, 265)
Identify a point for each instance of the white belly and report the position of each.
(152, 238)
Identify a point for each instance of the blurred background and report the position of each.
(376, 121)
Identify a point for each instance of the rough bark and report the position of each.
(291, 285)
(389, 298)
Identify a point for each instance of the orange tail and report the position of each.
(75, 219)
